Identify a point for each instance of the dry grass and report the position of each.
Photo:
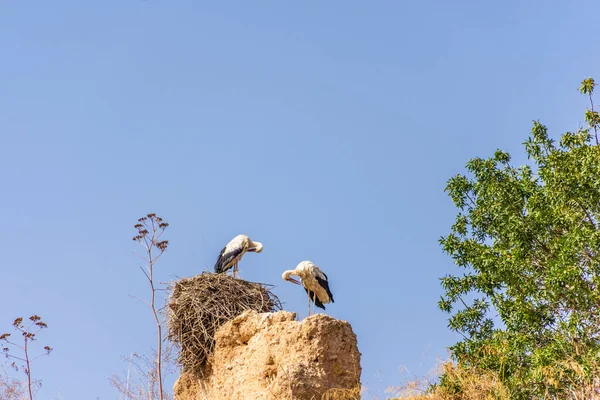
(475, 386)
(478, 385)
(198, 306)
(342, 394)
(204, 393)
(590, 390)
(582, 383)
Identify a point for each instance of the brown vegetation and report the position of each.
(140, 380)
(23, 358)
(10, 388)
(474, 385)
(471, 384)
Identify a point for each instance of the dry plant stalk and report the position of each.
(150, 229)
(343, 394)
(28, 334)
(476, 385)
(199, 305)
(140, 382)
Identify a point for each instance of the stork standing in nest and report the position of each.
(314, 281)
(233, 252)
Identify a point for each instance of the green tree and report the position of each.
(527, 303)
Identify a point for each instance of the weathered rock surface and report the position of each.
(271, 356)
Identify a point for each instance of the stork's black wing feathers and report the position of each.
(315, 299)
(226, 258)
(325, 285)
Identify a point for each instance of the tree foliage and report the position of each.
(527, 239)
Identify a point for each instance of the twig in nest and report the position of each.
(198, 306)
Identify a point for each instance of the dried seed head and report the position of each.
(162, 245)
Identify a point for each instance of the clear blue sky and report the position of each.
(325, 130)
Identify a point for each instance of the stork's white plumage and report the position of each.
(233, 252)
(315, 283)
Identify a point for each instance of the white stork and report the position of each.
(233, 252)
(314, 281)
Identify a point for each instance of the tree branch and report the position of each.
(145, 273)
(590, 219)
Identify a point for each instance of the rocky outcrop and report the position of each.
(271, 356)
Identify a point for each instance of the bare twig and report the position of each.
(10, 388)
(140, 299)
(140, 381)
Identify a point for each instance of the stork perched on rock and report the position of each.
(314, 281)
(233, 252)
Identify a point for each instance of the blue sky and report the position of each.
(325, 130)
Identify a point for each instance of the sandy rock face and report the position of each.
(271, 356)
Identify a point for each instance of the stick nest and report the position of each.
(199, 305)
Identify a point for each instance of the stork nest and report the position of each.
(199, 305)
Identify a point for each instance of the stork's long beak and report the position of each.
(293, 280)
